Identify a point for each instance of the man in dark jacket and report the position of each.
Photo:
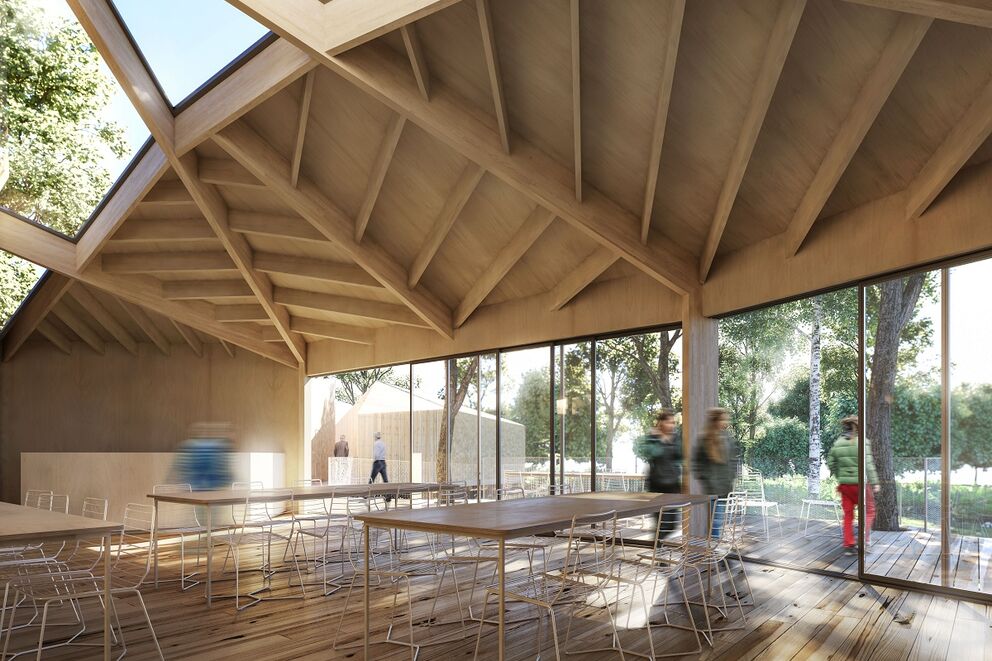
(662, 451)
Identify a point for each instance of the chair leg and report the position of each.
(482, 623)
(151, 629)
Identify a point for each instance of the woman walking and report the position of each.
(715, 461)
(662, 452)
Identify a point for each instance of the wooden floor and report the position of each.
(798, 616)
(909, 554)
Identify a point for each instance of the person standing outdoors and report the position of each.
(843, 463)
(715, 461)
(378, 458)
(662, 452)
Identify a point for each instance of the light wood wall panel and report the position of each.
(84, 402)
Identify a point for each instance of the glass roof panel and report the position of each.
(182, 51)
(17, 278)
(67, 130)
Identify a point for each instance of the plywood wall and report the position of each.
(85, 402)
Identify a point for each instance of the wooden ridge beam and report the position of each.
(78, 326)
(245, 312)
(244, 144)
(32, 314)
(411, 42)
(491, 56)
(355, 307)
(581, 277)
(375, 70)
(124, 200)
(378, 175)
(184, 290)
(177, 229)
(103, 317)
(968, 12)
(255, 81)
(779, 43)
(48, 330)
(285, 227)
(574, 10)
(318, 269)
(302, 119)
(332, 331)
(965, 137)
(453, 205)
(156, 262)
(898, 51)
(226, 172)
(673, 32)
(147, 326)
(190, 336)
(531, 229)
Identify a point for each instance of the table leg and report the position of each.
(365, 587)
(155, 542)
(106, 596)
(210, 552)
(501, 567)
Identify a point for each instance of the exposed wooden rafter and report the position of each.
(484, 10)
(779, 43)
(355, 307)
(969, 12)
(378, 175)
(318, 269)
(147, 326)
(411, 41)
(287, 227)
(190, 337)
(240, 312)
(158, 262)
(453, 205)
(898, 51)
(79, 326)
(226, 172)
(55, 336)
(332, 331)
(510, 254)
(42, 300)
(244, 144)
(967, 135)
(673, 32)
(574, 9)
(103, 317)
(302, 119)
(176, 229)
(181, 290)
(581, 277)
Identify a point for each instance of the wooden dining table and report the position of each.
(23, 525)
(509, 519)
(217, 497)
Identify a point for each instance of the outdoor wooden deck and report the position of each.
(910, 554)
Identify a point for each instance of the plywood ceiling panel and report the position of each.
(451, 40)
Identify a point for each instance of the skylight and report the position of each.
(186, 42)
(67, 130)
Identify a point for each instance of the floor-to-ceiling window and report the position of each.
(525, 419)
(573, 414)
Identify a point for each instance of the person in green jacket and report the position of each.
(715, 461)
(843, 463)
(661, 450)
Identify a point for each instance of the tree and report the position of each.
(531, 407)
(813, 463)
(459, 375)
(53, 143)
(783, 447)
(893, 308)
(355, 384)
(971, 426)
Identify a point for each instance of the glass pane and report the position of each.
(636, 376)
(367, 403)
(486, 403)
(970, 382)
(573, 415)
(428, 407)
(464, 421)
(17, 278)
(68, 134)
(902, 428)
(524, 420)
(185, 53)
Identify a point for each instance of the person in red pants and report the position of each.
(843, 463)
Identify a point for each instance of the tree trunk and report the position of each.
(454, 401)
(813, 469)
(896, 305)
(322, 443)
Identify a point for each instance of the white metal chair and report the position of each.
(806, 511)
(181, 520)
(752, 483)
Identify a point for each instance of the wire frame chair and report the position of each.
(559, 489)
(131, 564)
(182, 520)
(33, 498)
(588, 570)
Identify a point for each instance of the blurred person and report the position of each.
(378, 458)
(662, 451)
(204, 459)
(715, 461)
(842, 460)
(342, 463)
(341, 447)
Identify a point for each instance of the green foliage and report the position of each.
(971, 425)
(17, 277)
(782, 448)
(531, 407)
